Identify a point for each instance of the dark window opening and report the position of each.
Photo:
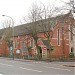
(58, 37)
(71, 49)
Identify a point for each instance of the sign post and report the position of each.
(11, 51)
(44, 52)
(18, 53)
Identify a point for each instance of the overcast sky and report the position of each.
(19, 8)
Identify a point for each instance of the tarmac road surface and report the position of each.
(14, 67)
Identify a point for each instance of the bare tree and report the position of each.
(68, 6)
(7, 33)
(42, 20)
(47, 23)
(33, 17)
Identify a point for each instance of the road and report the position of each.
(15, 67)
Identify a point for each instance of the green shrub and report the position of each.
(29, 47)
(71, 55)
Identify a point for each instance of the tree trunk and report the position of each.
(50, 55)
(49, 50)
(38, 55)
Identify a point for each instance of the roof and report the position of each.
(25, 28)
(20, 30)
(28, 28)
(5, 31)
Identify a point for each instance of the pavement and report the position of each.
(27, 60)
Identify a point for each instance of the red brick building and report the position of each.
(60, 40)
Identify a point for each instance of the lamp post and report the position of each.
(11, 48)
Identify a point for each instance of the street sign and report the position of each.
(18, 51)
(11, 48)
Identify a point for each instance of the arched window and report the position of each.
(72, 49)
(58, 37)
